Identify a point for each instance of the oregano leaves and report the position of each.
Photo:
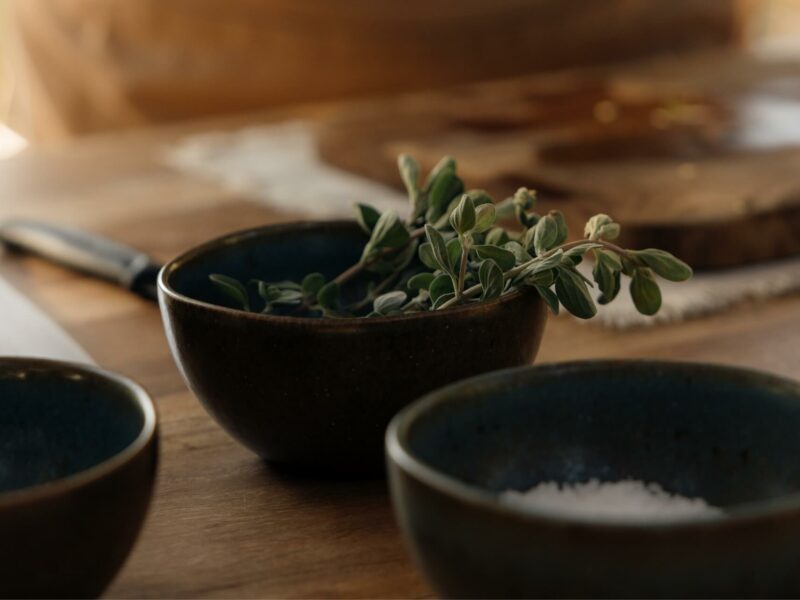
(452, 250)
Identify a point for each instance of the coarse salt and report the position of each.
(629, 499)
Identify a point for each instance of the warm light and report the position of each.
(10, 142)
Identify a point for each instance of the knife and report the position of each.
(25, 330)
(85, 252)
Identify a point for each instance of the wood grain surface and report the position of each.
(223, 524)
(698, 156)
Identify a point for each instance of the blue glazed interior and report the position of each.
(53, 426)
(727, 436)
(272, 256)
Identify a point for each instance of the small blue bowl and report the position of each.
(728, 435)
(78, 452)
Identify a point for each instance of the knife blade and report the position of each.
(25, 330)
(86, 252)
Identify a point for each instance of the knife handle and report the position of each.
(83, 251)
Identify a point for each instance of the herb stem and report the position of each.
(390, 280)
(462, 270)
(355, 269)
(478, 288)
(350, 272)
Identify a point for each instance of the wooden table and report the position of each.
(223, 524)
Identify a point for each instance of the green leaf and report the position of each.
(479, 197)
(454, 250)
(420, 281)
(272, 294)
(603, 275)
(566, 263)
(441, 300)
(462, 219)
(312, 284)
(504, 258)
(665, 264)
(443, 222)
(504, 209)
(520, 255)
(644, 292)
(527, 239)
(268, 291)
(528, 220)
(445, 164)
(609, 258)
(439, 248)
(573, 294)
(484, 218)
(444, 188)
(524, 198)
(366, 216)
(549, 297)
(544, 278)
(544, 263)
(389, 302)
(629, 265)
(417, 303)
(545, 234)
(608, 296)
(287, 297)
(329, 296)
(441, 285)
(409, 173)
(575, 254)
(427, 257)
(232, 288)
(561, 226)
(497, 236)
(606, 273)
(601, 226)
(287, 285)
(491, 278)
(389, 232)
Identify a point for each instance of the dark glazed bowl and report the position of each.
(78, 452)
(728, 435)
(318, 393)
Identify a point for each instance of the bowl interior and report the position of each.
(56, 421)
(271, 254)
(726, 435)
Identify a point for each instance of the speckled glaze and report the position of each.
(318, 393)
(78, 453)
(731, 436)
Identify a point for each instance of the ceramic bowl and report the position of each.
(727, 435)
(318, 393)
(78, 451)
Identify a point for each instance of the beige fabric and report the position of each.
(278, 164)
(85, 65)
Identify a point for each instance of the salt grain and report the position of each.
(621, 500)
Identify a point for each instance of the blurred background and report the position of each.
(72, 67)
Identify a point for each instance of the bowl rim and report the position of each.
(63, 485)
(166, 290)
(399, 453)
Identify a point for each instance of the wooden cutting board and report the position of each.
(698, 156)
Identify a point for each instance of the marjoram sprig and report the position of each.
(451, 252)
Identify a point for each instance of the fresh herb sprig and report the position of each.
(451, 252)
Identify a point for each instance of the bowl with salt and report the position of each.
(603, 478)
